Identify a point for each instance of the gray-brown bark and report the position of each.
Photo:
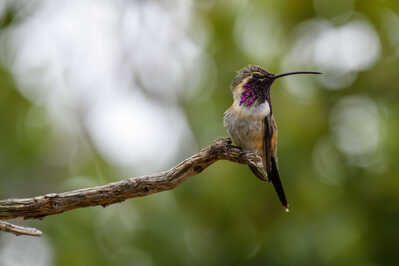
(54, 203)
(19, 230)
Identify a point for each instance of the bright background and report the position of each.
(96, 91)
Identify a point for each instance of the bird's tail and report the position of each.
(274, 176)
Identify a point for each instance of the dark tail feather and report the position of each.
(274, 176)
(258, 173)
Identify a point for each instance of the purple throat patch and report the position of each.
(248, 96)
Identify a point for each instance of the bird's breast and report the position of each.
(246, 127)
(255, 111)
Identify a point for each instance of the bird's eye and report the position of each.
(256, 75)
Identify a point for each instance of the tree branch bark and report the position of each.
(54, 203)
(19, 230)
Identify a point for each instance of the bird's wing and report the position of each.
(269, 158)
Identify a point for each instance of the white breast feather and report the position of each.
(256, 110)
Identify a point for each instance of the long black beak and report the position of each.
(294, 73)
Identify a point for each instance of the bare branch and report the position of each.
(54, 203)
(19, 230)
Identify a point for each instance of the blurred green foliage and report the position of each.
(225, 216)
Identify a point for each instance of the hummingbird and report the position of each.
(251, 124)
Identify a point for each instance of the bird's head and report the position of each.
(252, 84)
